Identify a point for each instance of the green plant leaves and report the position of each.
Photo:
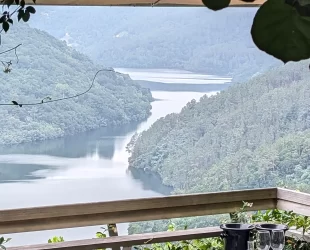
(30, 9)
(216, 4)
(26, 16)
(56, 239)
(279, 30)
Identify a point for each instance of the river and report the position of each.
(87, 167)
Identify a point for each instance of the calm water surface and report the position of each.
(87, 167)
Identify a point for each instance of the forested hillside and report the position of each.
(47, 67)
(254, 134)
(195, 39)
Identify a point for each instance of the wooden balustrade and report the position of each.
(99, 213)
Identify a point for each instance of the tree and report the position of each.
(280, 27)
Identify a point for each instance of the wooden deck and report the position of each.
(92, 214)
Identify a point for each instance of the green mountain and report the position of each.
(48, 67)
(254, 134)
(194, 39)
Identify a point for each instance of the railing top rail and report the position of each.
(75, 215)
(99, 213)
(58, 211)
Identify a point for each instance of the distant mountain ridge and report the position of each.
(195, 39)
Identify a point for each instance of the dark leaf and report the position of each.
(5, 26)
(22, 3)
(216, 4)
(34, 1)
(15, 102)
(9, 2)
(3, 19)
(31, 10)
(17, 2)
(5, 13)
(248, 1)
(280, 31)
(10, 21)
(20, 14)
(26, 16)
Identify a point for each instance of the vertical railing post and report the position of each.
(112, 229)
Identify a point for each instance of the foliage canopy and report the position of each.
(280, 27)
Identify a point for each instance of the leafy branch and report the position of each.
(49, 99)
(23, 13)
(280, 27)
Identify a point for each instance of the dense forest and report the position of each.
(48, 67)
(177, 38)
(255, 133)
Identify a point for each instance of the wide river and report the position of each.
(86, 167)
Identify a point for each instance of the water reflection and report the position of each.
(38, 160)
(95, 154)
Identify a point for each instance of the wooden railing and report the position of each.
(91, 214)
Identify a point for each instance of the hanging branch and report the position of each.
(49, 99)
(14, 48)
(6, 20)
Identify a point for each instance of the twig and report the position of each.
(59, 99)
(14, 48)
(155, 3)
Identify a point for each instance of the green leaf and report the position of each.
(22, 3)
(26, 16)
(7, 240)
(1, 240)
(100, 235)
(216, 4)
(20, 14)
(2, 19)
(10, 21)
(5, 26)
(280, 31)
(30, 9)
(17, 2)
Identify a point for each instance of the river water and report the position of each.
(88, 167)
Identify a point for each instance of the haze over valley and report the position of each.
(184, 97)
